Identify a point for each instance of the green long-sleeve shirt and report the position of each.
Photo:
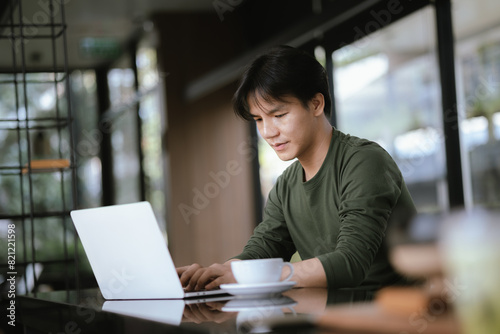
(339, 216)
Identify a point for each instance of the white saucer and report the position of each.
(262, 289)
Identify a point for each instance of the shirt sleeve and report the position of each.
(369, 188)
(271, 237)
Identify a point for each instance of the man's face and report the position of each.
(287, 125)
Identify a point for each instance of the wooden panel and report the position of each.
(210, 203)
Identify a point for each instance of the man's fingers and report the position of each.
(209, 275)
(214, 276)
(206, 277)
(195, 278)
(181, 270)
(214, 283)
(186, 273)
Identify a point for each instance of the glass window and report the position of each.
(387, 90)
(477, 35)
(152, 119)
(88, 138)
(124, 135)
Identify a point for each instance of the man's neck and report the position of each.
(313, 163)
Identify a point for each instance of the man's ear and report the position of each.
(317, 104)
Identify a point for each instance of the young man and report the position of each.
(334, 204)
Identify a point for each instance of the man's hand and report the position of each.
(186, 273)
(307, 273)
(196, 277)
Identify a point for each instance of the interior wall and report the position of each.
(210, 203)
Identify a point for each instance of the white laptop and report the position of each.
(128, 253)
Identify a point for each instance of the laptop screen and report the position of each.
(127, 252)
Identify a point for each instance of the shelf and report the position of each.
(37, 166)
(46, 165)
(22, 170)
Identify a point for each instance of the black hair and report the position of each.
(282, 71)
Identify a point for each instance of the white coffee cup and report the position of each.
(260, 271)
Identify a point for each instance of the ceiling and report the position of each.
(110, 23)
(114, 20)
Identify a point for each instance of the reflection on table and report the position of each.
(88, 311)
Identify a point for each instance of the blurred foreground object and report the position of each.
(375, 319)
(471, 254)
(423, 307)
(414, 248)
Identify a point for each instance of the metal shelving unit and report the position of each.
(37, 160)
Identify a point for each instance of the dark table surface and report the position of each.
(87, 312)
